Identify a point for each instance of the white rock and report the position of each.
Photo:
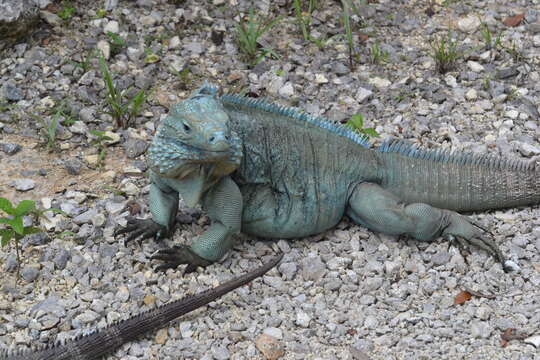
(274, 332)
(380, 83)
(79, 127)
(133, 53)
(175, 42)
(536, 40)
(130, 189)
(475, 66)
(363, 94)
(512, 114)
(529, 150)
(114, 138)
(105, 48)
(112, 26)
(471, 94)
(320, 79)
(512, 266)
(533, 340)
(450, 81)
(469, 24)
(46, 202)
(286, 90)
(302, 319)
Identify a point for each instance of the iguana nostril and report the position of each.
(211, 139)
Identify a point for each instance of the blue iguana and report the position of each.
(277, 172)
(104, 341)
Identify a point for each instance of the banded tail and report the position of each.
(458, 181)
(104, 341)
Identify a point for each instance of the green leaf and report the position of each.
(97, 133)
(358, 120)
(17, 224)
(25, 207)
(371, 132)
(6, 206)
(4, 220)
(6, 235)
(31, 230)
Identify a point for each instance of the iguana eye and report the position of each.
(187, 129)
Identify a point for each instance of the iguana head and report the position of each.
(194, 136)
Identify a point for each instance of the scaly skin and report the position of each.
(104, 341)
(297, 175)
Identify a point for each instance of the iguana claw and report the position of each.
(143, 229)
(179, 255)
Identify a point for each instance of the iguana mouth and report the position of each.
(191, 148)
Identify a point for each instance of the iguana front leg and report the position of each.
(163, 202)
(376, 208)
(223, 203)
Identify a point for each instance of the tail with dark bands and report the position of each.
(104, 341)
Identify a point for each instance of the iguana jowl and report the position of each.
(104, 341)
(277, 172)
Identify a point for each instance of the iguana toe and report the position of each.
(179, 255)
(143, 229)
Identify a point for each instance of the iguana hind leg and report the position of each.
(377, 209)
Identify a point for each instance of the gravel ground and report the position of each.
(344, 294)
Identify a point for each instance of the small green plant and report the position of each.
(487, 36)
(13, 229)
(59, 114)
(445, 54)
(100, 143)
(67, 10)
(116, 42)
(101, 13)
(356, 123)
(346, 16)
(121, 109)
(249, 31)
(304, 17)
(377, 55)
(85, 63)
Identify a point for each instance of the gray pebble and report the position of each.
(11, 92)
(23, 184)
(10, 149)
(480, 330)
(135, 147)
(288, 269)
(220, 352)
(73, 166)
(30, 272)
(313, 268)
(61, 259)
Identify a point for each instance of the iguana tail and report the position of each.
(457, 181)
(104, 341)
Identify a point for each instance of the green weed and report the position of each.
(346, 18)
(248, 33)
(356, 123)
(304, 17)
(377, 55)
(487, 36)
(86, 63)
(121, 109)
(116, 42)
(13, 229)
(445, 53)
(100, 143)
(67, 10)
